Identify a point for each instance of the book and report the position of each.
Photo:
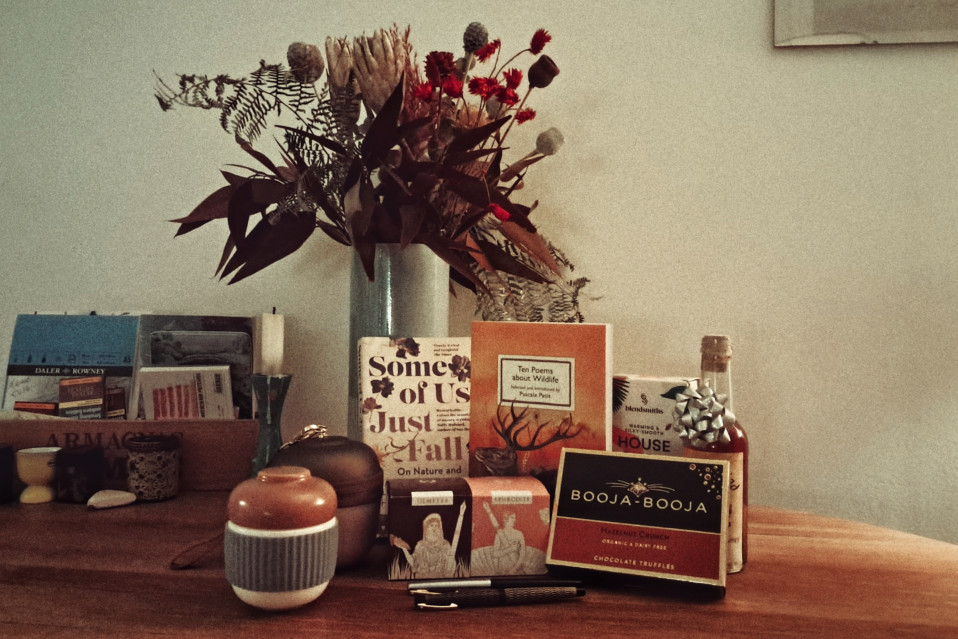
(200, 340)
(414, 404)
(82, 397)
(47, 348)
(538, 387)
(116, 403)
(39, 408)
(186, 392)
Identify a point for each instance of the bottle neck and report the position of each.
(718, 370)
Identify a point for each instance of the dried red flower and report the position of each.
(524, 115)
(499, 212)
(452, 86)
(439, 64)
(423, 92)
(513, 78)
(507, 96)
(485, 88)
(488, 50)
(539, 40)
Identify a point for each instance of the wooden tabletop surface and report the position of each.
(66, 571)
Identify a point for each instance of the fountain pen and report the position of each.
(477, 597)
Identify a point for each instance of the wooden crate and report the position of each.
(216, 454)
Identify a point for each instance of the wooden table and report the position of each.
(66, 571)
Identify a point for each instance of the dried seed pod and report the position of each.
(542, 72)
(305, 62)
(475, 37)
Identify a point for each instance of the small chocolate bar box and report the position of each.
(467, 527)
(642, 414)
(642, 515)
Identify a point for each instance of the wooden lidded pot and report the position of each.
(353, 469)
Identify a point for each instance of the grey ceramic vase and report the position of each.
(408, 297)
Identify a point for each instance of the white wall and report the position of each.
(812, 192)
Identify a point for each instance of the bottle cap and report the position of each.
(717, 346)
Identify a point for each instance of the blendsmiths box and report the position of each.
(462, 527)
(643, 515)
(642, 414)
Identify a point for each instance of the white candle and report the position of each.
(271, 336)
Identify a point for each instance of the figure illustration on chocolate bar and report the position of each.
(509, 554)
(433, 556)
(510, 544)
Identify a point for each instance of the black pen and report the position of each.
(477, 597)
(525, 581)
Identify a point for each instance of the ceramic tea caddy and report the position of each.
(281, 538)
(353, 469)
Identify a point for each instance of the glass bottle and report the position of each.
(717, 369)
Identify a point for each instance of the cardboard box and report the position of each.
(642, 515)
(642, 414)
(462, 527)
(215, 454)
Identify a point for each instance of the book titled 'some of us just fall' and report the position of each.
(414, 404)
(538, 387)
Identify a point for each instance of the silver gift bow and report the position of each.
(701, 416)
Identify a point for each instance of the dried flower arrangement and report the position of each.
(383, 152)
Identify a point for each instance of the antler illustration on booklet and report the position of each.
(537, 388)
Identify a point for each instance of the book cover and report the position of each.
(186, 392)
(201, 340)
(82, 397)
(538, 387)
(116, 404)
(47, 348)
(414, 396)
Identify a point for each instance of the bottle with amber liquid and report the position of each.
(731, 446)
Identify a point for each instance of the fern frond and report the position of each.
(515, 298)
(264, 94)
(198, 91)
(246, 104)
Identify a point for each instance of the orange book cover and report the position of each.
(538, 387)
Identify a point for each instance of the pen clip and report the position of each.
(426, 606)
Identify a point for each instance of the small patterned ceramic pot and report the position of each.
(153, 467)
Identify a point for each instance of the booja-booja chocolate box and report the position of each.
(643, 515)
(467, 527)
(642, 414)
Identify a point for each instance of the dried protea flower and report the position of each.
(379, 61)
(305, 62)
(340, 56)
(475, 37)
(542, 72)
(549, 141)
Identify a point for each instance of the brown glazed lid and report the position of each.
(350, 466)
(282, 498)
